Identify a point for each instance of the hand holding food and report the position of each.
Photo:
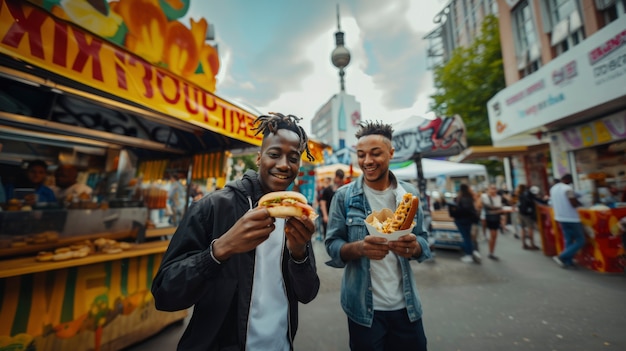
(283, 204)
(402, 218)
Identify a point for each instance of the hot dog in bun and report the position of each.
(283, 204)
(402, 218)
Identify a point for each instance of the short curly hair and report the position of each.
(374, 128)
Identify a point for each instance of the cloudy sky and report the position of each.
(275, 54)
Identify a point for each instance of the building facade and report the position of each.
(336, 122)
(565, 70)
(459, 23)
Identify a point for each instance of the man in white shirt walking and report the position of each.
(564, 203)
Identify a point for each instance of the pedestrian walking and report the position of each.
(564, 202)
(242, 270)
(465, 216)
(378, 291)
(527, 209)
(326, 198)
(492, 203)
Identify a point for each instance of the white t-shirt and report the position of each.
(560, 194)
(386, 274)
(268, 320)
(74, 189)
(495, 201)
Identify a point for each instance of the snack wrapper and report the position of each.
(381, 216)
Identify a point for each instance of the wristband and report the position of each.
(211, 252)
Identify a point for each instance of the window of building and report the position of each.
(611, 9)
(567, 26)
(527, 45)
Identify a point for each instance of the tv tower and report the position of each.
(340, 56)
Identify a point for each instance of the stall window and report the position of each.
(602, 173)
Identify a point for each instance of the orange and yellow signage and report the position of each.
(182, 89)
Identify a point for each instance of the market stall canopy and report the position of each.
(439, 137)
(434, 168)
(328, 171)
(94, 87)
(487, 152)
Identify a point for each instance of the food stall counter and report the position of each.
(603, 249)
(29, 265)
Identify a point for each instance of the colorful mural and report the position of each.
(81, 308)
(150, 29)
(162, 65)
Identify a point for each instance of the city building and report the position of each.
(337, 120)
(565, 70)
(459, 23)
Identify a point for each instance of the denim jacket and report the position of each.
(346, 223)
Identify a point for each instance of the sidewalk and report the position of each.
(522, 302)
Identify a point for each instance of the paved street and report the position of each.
(523, 302)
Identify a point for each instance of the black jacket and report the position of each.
(221, 293)
(466, 210)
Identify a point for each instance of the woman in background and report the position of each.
(466, 217)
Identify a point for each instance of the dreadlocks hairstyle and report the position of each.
(274, 121)
(374, 128)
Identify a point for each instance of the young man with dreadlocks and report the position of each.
(378, 292)
(242, 270)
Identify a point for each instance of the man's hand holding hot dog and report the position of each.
(298, 231)
(253, 228)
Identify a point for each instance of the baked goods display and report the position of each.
(42, 238)
(401, 219)
(283, 204)
(83, 249)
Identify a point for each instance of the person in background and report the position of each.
(505, 218)
(327, 196)
(177, 197)
(67, 187)
(466, 217)
(378, 292)
(564, 202)
(528, 215)
(36, 173)
(242, 270)
(492, 203)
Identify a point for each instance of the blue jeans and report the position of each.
(390, 331)
(465, 228)
(574, 241)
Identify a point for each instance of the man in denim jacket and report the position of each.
(378, 291)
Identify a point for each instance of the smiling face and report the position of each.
(374, 152)
(279, 160)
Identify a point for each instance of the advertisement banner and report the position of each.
(589, 74)
(34, 36)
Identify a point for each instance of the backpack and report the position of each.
(453, 209)
(526, 205)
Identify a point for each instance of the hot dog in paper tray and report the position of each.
(392, 225)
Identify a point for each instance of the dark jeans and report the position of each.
(390, 331)
(465, 228)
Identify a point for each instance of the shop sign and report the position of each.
(589, 74)
(32, 35)
(602, 131)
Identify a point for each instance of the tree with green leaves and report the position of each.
(471, 77)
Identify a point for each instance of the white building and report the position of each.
(336, 121)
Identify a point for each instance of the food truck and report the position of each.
(125, 92)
